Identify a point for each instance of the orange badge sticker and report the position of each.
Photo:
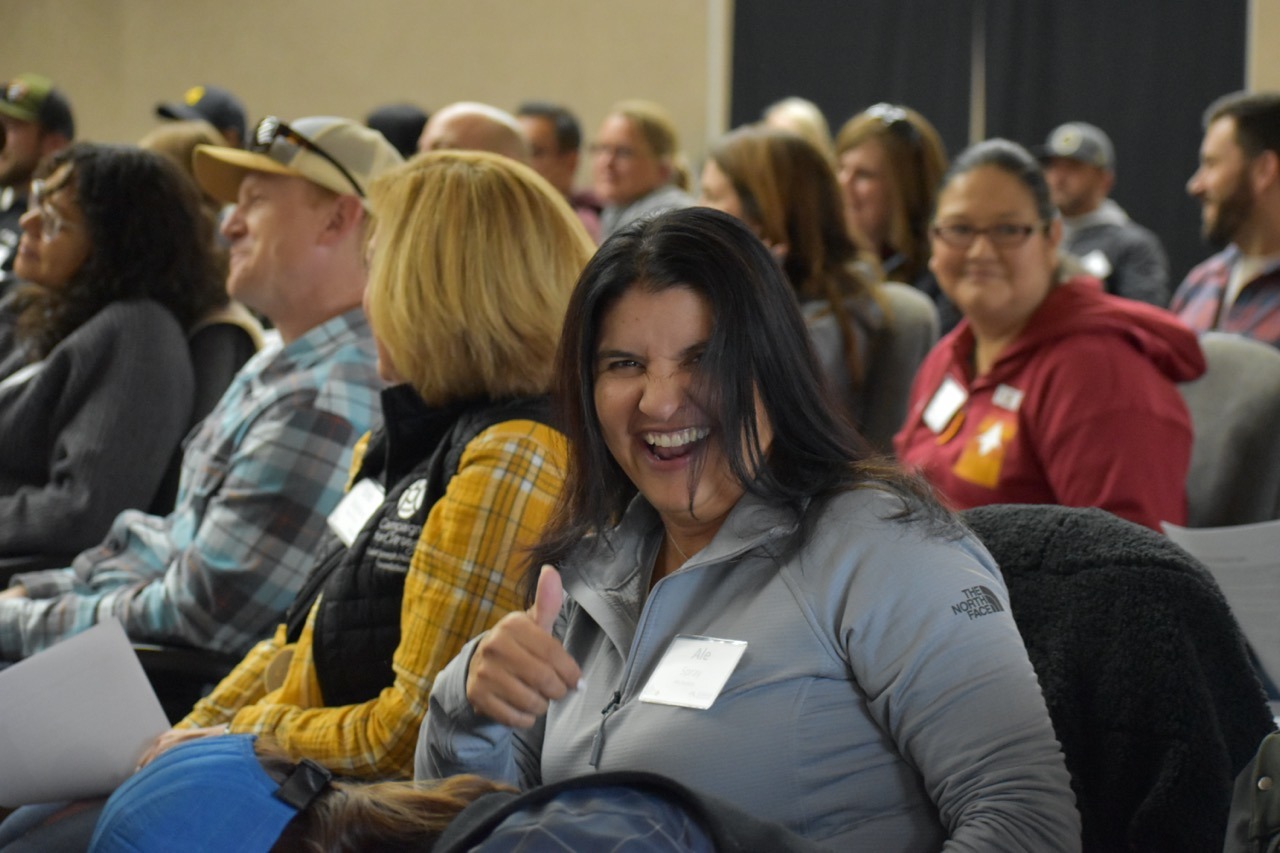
(983, 455)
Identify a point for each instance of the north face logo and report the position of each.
(978, 601)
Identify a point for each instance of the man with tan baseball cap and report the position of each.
(266, 468)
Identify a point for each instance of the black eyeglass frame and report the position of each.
(1003, 235)
(272, 128)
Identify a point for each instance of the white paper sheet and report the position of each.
(75, 718)
(1245, 561)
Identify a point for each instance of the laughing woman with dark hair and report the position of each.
(96, 388)
(745, 601)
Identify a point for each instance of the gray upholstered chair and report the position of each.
(896, 352)
(1235, 411)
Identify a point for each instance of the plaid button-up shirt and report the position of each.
(1256, 311)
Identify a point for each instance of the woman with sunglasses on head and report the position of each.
(735, 594)
(890, 160)
(96, 387)
(784, 189)
(1049, 390)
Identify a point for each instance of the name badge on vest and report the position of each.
(1007, 397)
(1096, 264)
(693, 671)
(946, 401)
(349, 516)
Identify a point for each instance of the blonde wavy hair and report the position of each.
(473, 259)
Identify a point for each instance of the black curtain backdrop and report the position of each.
(1143, 70)
(845, 56)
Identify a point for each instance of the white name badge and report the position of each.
(1007, 397)
(693, 671)
(946, 401)
(349, 516)
(1096, 264)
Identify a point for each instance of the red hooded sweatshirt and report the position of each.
(1080, 410)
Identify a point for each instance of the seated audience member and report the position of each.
(401, 124)
(1080, 166)
(1238, 187)
(267, 466)
(730, 559)
(241, 793)
(229, 334)
(636, 165)
(177, 142)
(469, 126)
(1049, 391)
(891, 161)
(35, 121)
(472, 266)
(555, 142)
(226, 336)
(804, 119)
(96, 387)
(786, 192)
(215, 105)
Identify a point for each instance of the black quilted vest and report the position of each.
(414, 455)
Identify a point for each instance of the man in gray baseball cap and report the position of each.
(1079, 165)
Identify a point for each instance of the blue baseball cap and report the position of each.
(209, 794)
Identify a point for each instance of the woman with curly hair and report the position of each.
(96, 385)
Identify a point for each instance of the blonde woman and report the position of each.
(636, 166)
(473, 258)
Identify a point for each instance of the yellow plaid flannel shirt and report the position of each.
(462, 578)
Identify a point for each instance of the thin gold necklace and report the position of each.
(684, 557)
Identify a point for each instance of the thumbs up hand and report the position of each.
(519, 667)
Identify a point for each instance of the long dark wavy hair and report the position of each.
(758, 350)
(147, 240)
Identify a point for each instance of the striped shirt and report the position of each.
(1255, 312)
(462, 578)
(259, 477)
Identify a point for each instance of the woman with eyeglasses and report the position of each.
(1049, 390)
(784, 189)
(96, 385)
(636, 166)
(890, 160)
(734, 593)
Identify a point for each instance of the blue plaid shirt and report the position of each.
(259, 477)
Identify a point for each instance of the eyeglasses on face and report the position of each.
(271, 129)
(1005, 235)
(52, 223)
(621, 152)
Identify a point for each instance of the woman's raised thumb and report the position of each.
(548, 598)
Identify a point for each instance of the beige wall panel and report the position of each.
(117, 58)
(1264, 35)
